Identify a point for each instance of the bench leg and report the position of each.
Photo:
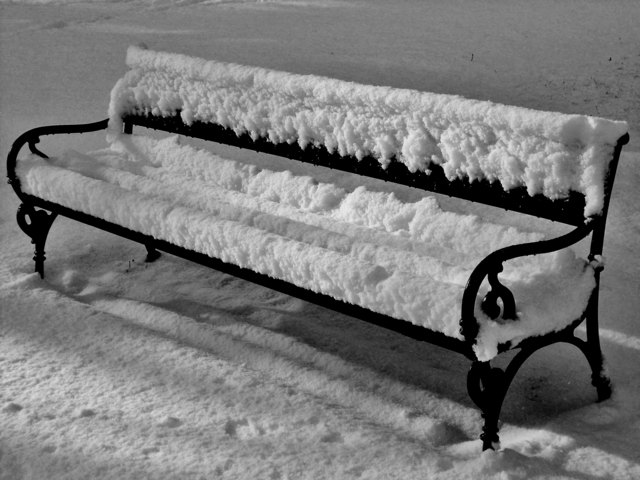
(152, 253)
(592, 350)
(487, 387)
(36, 224)
(599, 378)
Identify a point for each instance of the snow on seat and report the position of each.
(410, 261)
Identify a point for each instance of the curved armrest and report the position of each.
(491, 266)
(31, 137)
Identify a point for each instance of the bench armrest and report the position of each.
(491, 266)
(32, 137)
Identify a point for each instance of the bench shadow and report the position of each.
(539, 395)
(552, 391)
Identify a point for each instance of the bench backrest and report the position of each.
(546, 164)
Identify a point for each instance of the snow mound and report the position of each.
(410, 261)
(548, 153)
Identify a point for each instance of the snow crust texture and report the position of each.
(548, 153)
(407, 260)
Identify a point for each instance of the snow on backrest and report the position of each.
(548, 153)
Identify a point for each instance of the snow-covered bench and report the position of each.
(412, 267)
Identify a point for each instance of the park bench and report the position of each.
(449, 278)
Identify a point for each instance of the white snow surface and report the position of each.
(409, 261)
(111, 368)
(549, 153)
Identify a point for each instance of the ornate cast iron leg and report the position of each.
(487, 388)
(36, 224)
(152, 253)
(488, 385)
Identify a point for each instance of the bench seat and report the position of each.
(364, 247)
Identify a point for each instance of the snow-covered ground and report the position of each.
(113, 368)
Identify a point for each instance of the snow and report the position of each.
(547, 152)
(113, 368)
(409, 261)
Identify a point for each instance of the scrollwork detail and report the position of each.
(506, 309)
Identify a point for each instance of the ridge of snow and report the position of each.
(549, 153)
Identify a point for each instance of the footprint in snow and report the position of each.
(57, 25)
(149, 450)
(12, 407)
(86, 413)
(332, 437)
(170, 422)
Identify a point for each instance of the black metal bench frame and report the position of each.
(487, 385)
